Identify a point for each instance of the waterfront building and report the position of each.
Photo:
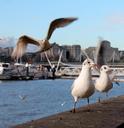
(71, 53)
(109, 53)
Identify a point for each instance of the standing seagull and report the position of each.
(44, 45)
(104, 83)
(83, 86)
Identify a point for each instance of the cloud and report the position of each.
(7, 42)
(115, 20)
(11, 42)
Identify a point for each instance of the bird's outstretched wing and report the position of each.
(21, 45)
(100, 49)
(57, 23)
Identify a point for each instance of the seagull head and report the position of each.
(106, 69)
(88, 63)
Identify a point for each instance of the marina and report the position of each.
(44, 71)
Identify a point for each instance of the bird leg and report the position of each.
(107, 94)
(88, 101)
(74, 110)
(99, 97)
(99, 100)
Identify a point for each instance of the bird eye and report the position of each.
(105, 68)
(88, 62)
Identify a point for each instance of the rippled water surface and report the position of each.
(22, 101)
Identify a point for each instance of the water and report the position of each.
(43, 98)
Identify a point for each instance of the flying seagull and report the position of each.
(44, 44)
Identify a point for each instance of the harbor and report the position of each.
(27, 71)
(61, 64)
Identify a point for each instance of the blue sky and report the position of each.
(97, 18)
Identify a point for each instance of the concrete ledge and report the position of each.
(107, 114)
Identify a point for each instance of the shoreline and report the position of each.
(107, 114)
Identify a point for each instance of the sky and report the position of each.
(96, 19)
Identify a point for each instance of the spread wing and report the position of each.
(100, 49)
(21, 45)
(57, 23)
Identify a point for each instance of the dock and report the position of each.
(107, 114)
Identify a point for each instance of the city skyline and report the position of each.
(96, 19)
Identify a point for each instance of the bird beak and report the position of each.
(93, 65)
(110, 70)
(96, 66)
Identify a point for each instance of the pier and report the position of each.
(107, 114)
